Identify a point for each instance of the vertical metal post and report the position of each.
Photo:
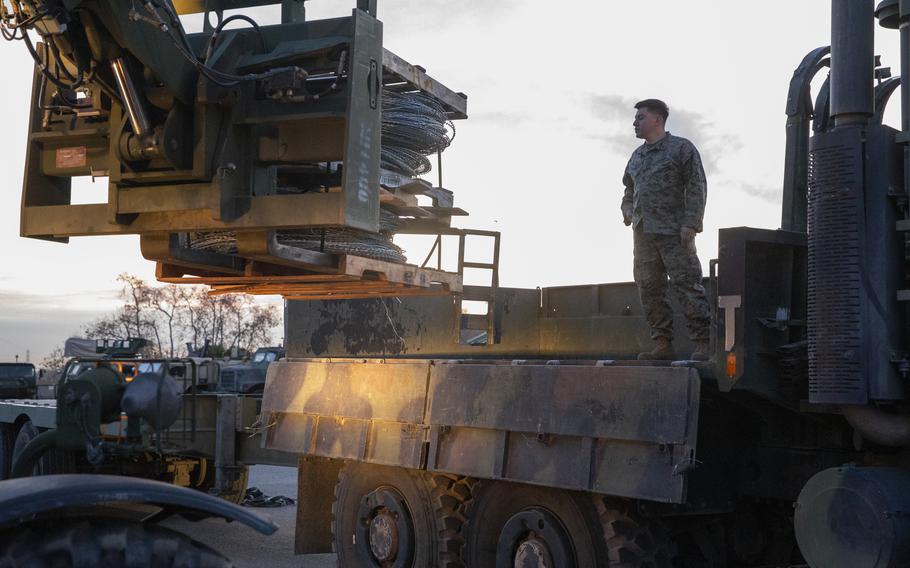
(852, 61)
(905, 89)
(225, 443)
(293, 11)
(439, 166)
(368, 6)
(458, 299)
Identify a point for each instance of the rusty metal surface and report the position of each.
(456, 103)
(393, 391)
(316, 479)
(602, 321)
(627, 431)
(626, 403)
(412, 327)
(349, 409)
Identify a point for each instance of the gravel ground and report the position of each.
(246, 547)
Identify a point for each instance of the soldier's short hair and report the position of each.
(655, 105)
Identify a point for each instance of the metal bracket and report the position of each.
(729, 305)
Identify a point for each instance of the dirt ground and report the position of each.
(246, 547)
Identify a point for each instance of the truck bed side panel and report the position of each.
(628, 431)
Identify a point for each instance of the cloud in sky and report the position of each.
(15, 301)
(615, 112)
(764, 192)
(502, 117)
(33, 324)
(441, 12)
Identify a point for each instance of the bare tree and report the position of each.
(135, 294)
(169, 316)
(194, 302)
(55, 360)
(117, 324)
(261, 320)
(167, 301)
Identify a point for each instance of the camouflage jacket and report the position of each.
(666, 187)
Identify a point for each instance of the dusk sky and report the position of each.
(551, 88)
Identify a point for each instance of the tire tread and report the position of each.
(633, 541)
(103, 542)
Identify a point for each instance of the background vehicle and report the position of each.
(248, 377)
(17, 380)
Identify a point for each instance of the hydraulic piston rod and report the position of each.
(131, 101)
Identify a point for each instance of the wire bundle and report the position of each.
(414, 125)
(331, 240)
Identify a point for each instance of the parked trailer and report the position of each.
(209, 446)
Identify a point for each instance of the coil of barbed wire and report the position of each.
(330, 240)
(414, 125)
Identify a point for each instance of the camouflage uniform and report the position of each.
(665, 191)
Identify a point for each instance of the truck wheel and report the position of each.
(510, 524)
(103, 542)
(53, 462)
(633, 541)
(238, 487)
(392, 517)
(206, 483)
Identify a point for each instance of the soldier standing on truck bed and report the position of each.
(664, 201)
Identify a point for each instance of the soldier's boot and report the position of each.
(701, 352)
(663, 351)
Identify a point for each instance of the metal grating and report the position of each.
(835, 302)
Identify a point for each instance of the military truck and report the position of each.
(544, 443)
(248, 377)
(18, 380)
(552, 446)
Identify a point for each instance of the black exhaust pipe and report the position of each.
(852, 61)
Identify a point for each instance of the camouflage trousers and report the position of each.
(658, 257)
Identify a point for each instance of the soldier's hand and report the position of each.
(686, 235)
(626, 218)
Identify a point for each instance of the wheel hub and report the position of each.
(383, 537)
(385, 529)
(533, 553)
(534, 538)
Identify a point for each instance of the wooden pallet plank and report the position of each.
(227, 280)
(362, 296)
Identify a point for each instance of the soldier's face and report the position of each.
(646, 123)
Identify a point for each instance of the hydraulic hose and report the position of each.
(33, 452)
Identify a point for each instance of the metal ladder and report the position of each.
(478, 322)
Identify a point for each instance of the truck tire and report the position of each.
(53, 462)
(633, 541)
(103, 542)
(207, 483)
(512, 524)
(398, 518)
